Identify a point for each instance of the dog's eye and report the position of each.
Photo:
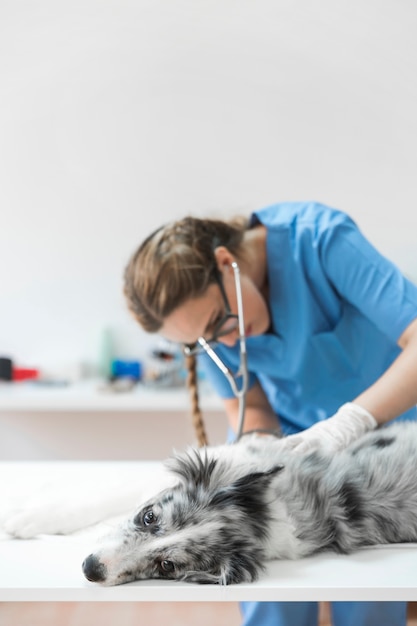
(149, 518)
(167, 566)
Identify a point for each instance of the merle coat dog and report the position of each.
(235, 507)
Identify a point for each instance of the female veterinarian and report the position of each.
(331, 330)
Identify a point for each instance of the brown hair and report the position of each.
(172, 265)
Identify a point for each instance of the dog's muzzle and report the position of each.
(94, 570)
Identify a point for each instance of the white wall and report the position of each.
(118, 115)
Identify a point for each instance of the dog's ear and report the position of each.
(202, 578)
(247, 492)
(194, 467)
(241, 564)
(236, 568)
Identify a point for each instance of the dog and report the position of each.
(232, 508)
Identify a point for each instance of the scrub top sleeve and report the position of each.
(366, 279)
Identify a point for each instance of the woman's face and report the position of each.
(197, 317)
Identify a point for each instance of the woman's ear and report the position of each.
(223, 257)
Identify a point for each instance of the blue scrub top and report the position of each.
(337, 309)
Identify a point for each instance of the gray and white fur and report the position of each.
(235, 507)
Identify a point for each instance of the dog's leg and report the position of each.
(71, 500)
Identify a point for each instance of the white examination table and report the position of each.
(49, 568)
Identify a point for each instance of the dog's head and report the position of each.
(209, 528)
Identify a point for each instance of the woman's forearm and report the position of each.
(396, 390)
(258, 414)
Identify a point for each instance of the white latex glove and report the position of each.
(335, 433)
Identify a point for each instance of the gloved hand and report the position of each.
(335, 433)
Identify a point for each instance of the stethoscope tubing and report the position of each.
(241, 390)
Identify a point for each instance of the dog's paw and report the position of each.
(26, 524)
(57, 514)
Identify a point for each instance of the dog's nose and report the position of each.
(94, 570)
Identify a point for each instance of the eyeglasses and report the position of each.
(225, 325)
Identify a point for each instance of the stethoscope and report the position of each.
(239, 388)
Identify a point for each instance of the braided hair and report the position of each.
(172, 265)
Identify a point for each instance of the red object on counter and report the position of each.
(22, 373)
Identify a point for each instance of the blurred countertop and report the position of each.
(95, 395)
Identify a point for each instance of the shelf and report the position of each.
(90, 396)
